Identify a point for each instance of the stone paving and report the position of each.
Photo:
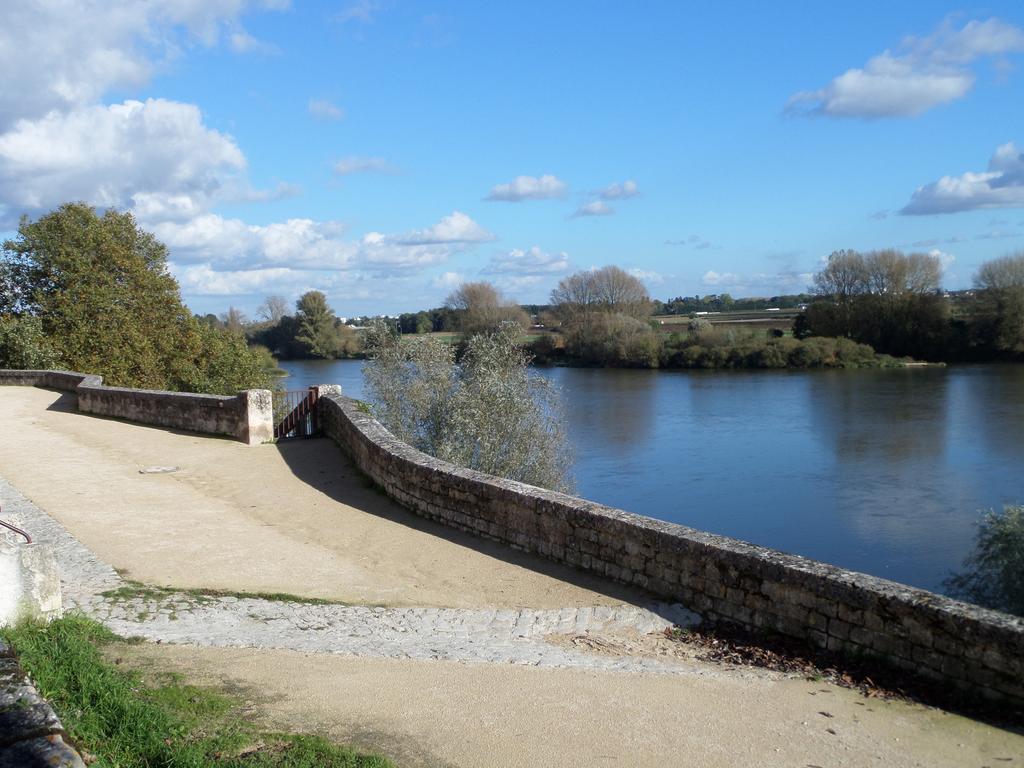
(496, 636)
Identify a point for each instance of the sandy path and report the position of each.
(295, 518)
(445, 713)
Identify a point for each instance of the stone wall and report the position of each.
(246, 416)
(31, 734)
(963, 645)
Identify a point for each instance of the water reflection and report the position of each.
(896, 416)
(614, 407)
(997, 410)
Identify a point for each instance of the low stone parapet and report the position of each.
(972, 648)
(247, 416)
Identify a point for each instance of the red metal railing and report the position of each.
(296, 414)
(16, 529)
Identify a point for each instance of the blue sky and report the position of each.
(385, 151)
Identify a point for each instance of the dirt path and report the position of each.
(296, 518)
(444, 713)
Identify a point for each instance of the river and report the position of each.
(880, 471)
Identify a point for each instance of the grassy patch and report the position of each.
(134, 589)
(114, 715)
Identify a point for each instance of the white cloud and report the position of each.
(233, 245)
(1001, 186)
(786, 281)
(529, 188)
(305, 244)
(359, 164)
(720, 278)
(617, 191)
(448, 280)
(922, 74)
(65, 55)
(456, 227)
(648, 276)
(322, 109)
(242, 42)
(201, 280)
(593, 208)
(532, 261)
(945, 259)
(156, 153)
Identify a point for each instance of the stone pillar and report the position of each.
(322, 390)
(257, 425)
(29, 582)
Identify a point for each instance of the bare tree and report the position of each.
(484, 309)
(610, 290)
(1002, 300)
(1004, 273)
(272, 309)
(844, 276)
(881, 273)
(892, 273)
(234, 319)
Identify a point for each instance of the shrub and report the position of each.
(994, 571)
(487, 413)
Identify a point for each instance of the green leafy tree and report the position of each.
(23, 344)
(318, 329)
(106, 304)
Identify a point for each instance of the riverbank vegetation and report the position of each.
(488, 412)
(119, 717)
(92, 293)
(875, 309)
(893, 302)
(993, 574)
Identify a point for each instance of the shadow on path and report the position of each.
(348, 485)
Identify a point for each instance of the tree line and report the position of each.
(894, 303)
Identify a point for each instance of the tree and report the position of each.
(234, 320)
(610, 290)
(1000, 311)
(603, 313)
(487, 413)
(844, 276)
(317, 325)
(100, 290)
(885, 299)
(272, 309)
(23, 345)
(483, 309)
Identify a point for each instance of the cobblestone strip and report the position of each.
(30, 731)
(498, 636)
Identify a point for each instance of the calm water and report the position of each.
(878, 471)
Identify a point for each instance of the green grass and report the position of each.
(111, 713)
(135, 589)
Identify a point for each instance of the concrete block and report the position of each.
(29, 582)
